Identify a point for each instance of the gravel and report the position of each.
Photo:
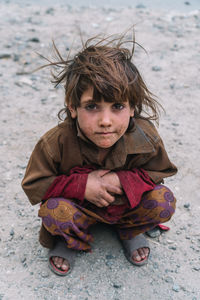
(29, 106)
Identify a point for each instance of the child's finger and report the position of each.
(101, 173)
(114, 189)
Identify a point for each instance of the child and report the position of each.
(104, 163)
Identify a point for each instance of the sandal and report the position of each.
(60, 250)
(135, 243)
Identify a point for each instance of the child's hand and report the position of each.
(113, 179)
(98, 189)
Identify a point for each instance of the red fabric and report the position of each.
(134, 184)
(72, 186)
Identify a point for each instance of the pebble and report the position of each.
(34, 40)
(156, 68)
(12, 232)
(172, 247)
(5, 56)
(196, 268)
(187, 205)
(50, 11)
(44, 274)
(117, 286)
(176, 288)
(169, 279)
(153, 233)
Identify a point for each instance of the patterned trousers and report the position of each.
(63, 217)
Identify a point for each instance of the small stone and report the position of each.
(44, 274)
(23, 259)
(117, 286)
(176, 288)
(155, 265)
(169, 279)
(156, 68)
(12, 232)
(196, 268)
(50, 11)
(172, 247)
(34, 40)
(109, 256)
(187, 3)
(187, 205)
(153, 233)
(5, 56)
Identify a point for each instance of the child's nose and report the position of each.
(105, 119)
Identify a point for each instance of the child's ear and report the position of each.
(73, 112)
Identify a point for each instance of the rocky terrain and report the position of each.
(29, 106)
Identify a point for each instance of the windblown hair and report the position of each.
(107, 66)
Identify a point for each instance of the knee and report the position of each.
(60, 209)
(162, 201)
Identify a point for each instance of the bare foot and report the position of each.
(140, 254)
(60, 263)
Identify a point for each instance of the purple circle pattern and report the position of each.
(77, 216)
(165, 213)
(150, 204)
(47, 221)
(65, 225)
(158, 187)
(52, 203)
(168, 196)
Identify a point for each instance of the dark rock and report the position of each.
(12, 232)
(187, 205)
(34, 40)
(172, 247)
(5, 56)
(117, 286)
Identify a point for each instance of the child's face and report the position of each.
(103, 123)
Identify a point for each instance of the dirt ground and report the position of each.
(29, 106)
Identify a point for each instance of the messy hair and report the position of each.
(106, 65)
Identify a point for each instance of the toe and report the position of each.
(142, 254)
(65, 265)
(136, 256)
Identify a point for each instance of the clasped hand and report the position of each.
(101, 187)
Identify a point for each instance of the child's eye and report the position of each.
(118, 106)
(91, 106)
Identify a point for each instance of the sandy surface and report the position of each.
(29, 105)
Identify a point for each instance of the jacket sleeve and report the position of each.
(71, 187)
(40, 173)
(158, 166)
